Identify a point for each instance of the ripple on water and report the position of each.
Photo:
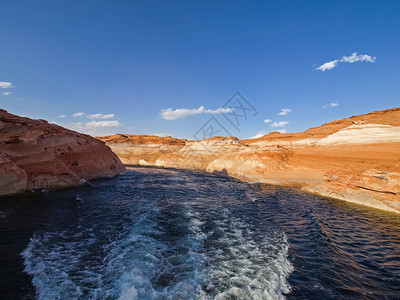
(168, 234)
(241, 268)
(166, 246)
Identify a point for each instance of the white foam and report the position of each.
(133, 260)
(58, 263)
(247, 269)
(129, 294)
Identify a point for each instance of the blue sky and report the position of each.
(123, 64)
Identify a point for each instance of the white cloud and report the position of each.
(6, 93)
(266, 121)
(93, 116)
(96, 127)
(263, 132)
(284, 111)
(75, 124)
(100, 116)
(5, 85)
(282, 130)
(62, 116)
(180, 113)
(355, 57)
(279, 124)
(332, 104)
(97, 124)
(259, 134)
(161, 134)
(328, 65)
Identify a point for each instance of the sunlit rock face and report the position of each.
(37, 155)
(142, 149)
(199, 154)
(355, 159)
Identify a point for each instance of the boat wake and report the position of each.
(158, 247)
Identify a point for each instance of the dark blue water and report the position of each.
(169, 234)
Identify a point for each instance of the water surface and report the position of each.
(170, 234)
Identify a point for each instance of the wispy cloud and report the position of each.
(160, 134)
(284, 111)
(264, 132)
(282, 130)
(96, 127)
(96, 124)
(260, 134)
(93, 116)
(5, 85)
(280, 124)
(354, 57)
(332, 104)
(180, 113)
(328, 65)
(100, 116)
(78, 114)
(103, 124)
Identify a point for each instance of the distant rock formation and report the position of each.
(37, 155)
(146, 150)
(355, 159)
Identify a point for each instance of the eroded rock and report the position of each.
(37, 155)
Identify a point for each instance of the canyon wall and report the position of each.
(37, 155)
(355, 159)
(146, 148)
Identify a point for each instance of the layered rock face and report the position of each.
(37, 155)
(142, 149)
(355, 159)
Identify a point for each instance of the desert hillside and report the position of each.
(355, 159)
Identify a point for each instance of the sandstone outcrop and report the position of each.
(146, 148)
(355, 159)
(37, 155)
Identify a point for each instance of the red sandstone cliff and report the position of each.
(37, 155)
(355, 159)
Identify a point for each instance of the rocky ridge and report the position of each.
(355, 159)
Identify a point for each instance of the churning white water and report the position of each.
(173, 234)
(165, 239)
